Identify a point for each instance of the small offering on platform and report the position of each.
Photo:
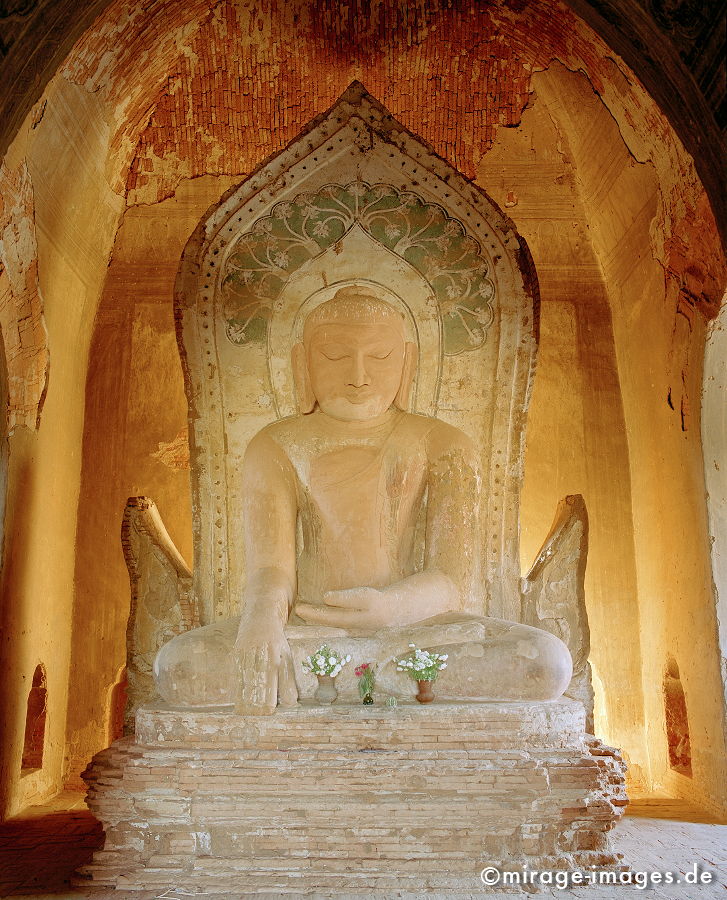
(366, 674)
(423, 666)
(325, 664)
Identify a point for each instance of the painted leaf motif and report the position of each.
(421, 233)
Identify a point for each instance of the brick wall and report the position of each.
(215, 88)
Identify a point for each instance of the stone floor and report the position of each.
(40, 849)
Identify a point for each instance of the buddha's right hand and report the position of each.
(265, 667)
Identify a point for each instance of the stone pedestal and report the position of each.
(352, 799)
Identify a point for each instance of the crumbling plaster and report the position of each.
(75, 219)
(625, 203)
(191, 108)
(714, 436)
(134, 402)
(576, 439)
(23, 326)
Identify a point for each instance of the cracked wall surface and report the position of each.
(714, 431)
(229, 83)
(659, 332)
(676, 49)
(22, 322)
(75, 215)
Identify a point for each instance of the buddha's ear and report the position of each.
(303, 391)
(403, 395)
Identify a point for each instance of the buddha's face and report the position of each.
(355, 369)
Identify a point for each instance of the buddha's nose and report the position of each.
(358, 376)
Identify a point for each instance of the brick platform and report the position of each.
(348, 799)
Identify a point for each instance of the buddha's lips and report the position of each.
(361, 397)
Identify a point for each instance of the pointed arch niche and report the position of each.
(35, 720)
(356, 198)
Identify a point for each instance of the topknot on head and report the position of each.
(355, 304)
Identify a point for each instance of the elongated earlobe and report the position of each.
(303, 391)
(403, 395)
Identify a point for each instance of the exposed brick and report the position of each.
(290, 818)
(204, 87)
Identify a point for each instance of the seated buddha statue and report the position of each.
(361, 520)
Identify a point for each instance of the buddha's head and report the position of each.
(354, 360)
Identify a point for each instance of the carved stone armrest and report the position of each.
(553, 593)
(162, 604)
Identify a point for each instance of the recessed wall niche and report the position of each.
(35, 722)
(677, 722)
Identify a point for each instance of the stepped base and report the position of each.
(353, 799)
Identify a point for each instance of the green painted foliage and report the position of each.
(421, 233)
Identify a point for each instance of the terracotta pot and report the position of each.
(425, 694)
(326, 691)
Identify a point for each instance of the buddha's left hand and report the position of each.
(412, 599)
(363, 607)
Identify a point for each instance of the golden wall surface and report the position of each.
(75, 215)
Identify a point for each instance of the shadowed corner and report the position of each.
(42, 847)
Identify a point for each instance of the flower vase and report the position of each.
(367, 700)
(425, 693)
(326, 691)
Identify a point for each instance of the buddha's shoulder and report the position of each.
(278, 435)
(438, 435)
(285, 428)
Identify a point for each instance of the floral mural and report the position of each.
(421, 233)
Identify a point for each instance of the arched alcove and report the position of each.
(677, 721)
(145, 123)
(326, 211)
(35, 722)
(117, 696)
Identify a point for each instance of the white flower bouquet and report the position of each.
(325, 662)
(422, 665)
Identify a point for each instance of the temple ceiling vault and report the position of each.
(676, 50)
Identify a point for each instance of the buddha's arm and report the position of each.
(450, 570)
(269, 508)
(453, 514)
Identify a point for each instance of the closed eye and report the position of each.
(335, 357)
(384, 356)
